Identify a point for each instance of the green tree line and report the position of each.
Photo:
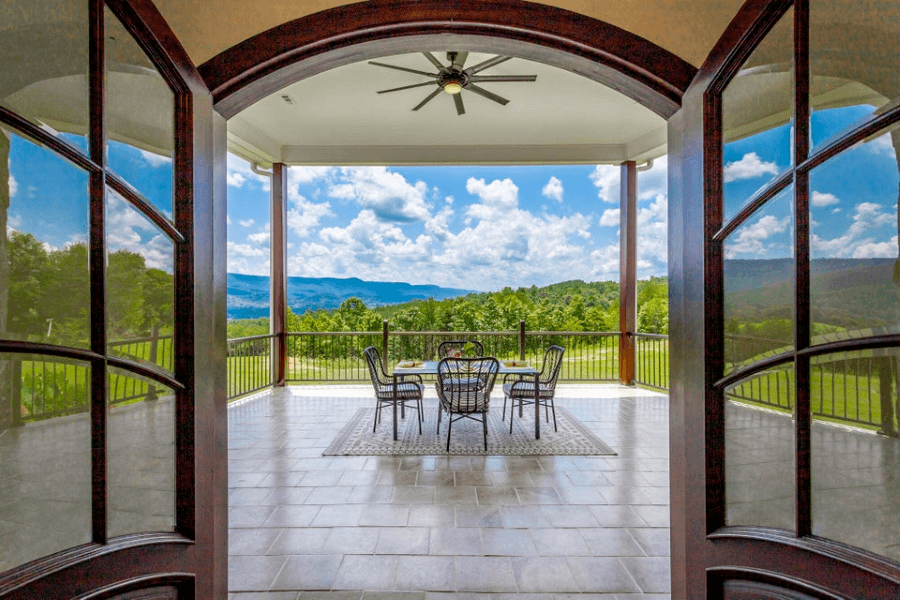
(567, 306)
(49, 294)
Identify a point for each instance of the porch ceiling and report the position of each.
(337, 117)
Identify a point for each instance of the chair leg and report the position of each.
(377, 413)
(419, 414)
(553, 408)
(449, 427)
(440, 412)
(484, 425)
(512, 410)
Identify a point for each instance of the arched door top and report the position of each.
(265, 63)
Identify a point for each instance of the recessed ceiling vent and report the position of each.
(287, 99)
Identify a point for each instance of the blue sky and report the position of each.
(853, 197)
(472, 227)
(480, 228)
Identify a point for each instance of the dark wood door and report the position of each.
(782, 236)
(107, 280)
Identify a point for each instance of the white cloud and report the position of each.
(261, 238)
(13, 186)
(227, 219)
(886, 249)
(128, 230)
(240, 174)
(867, 216)
(498, 194)
(308, 174)
(155, 160)
(246, 223)
(653, 235)
(303, 216)
(749, 167)
(610, 217)
(235, 179)
(823, 199)
(654, 181)
(386, 193)
(553, 189)
(752, 238)
(605, 263)
(606, 179)
(883, 144)
(245, 250)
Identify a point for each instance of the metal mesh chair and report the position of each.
(523, 388)
(448, 347)
(464, 388)
(409, 388)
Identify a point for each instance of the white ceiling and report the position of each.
(338, 118)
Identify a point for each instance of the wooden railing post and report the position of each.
(154, 352)
(384, 344)
(522, 339)
(627, 271)
(886, 392)
(15, 391)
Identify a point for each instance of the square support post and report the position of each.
(627, 271)
(278, 272)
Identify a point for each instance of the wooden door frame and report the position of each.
(193, 558)
(718, 553)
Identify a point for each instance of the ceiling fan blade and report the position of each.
(406, 87)
(428, 98)
(441, 68)
(460, 60)
(460, 109)
(489, 95)
(491, 62)
(477, 78)
(372, 62)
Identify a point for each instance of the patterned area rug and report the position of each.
(357, 439)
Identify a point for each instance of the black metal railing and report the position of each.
(651, 358)
(43, 387)
(249, 364)
(330, 357)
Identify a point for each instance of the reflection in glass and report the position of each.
(46, 224)
(45, 457)
(140, 455)
(45, 67)
(139, 118)
(855, 487)
(759, 450)
(757, 118)
(758, 278)
(853, 64)
(140, 288)
(853, 241)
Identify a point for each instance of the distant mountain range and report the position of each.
(848, 292)
(248, 295)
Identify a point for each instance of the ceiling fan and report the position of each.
(455, 78)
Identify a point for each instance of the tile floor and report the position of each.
(446, 528)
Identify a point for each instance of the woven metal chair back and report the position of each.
(552, 365)
(464, 384)
(376, 368)
(448, 347)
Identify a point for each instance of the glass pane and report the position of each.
(757, 118)
(139, 118)
(48, 295)
(855, 488)
(853, 214)
(759, 450)
(141, 455)
(853, 64)
(759, 288)
(45, 66)
(45, 445)
(140, 289)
